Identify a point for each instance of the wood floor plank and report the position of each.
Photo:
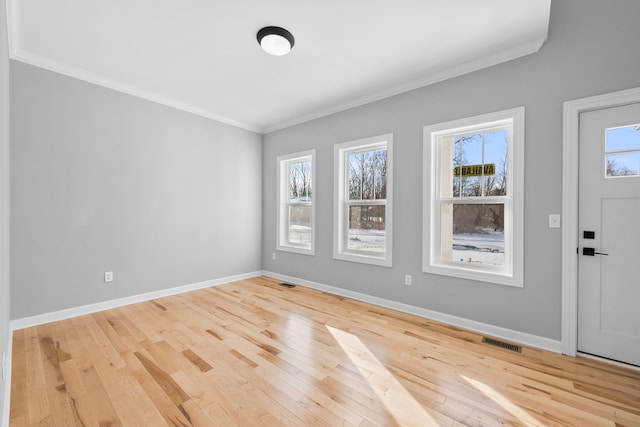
(38, 408)
(19, 400)
(80, 402)
(253, 353)
(52, 356)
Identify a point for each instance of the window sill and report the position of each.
(296, 250)
(473, 274)
(365, 259)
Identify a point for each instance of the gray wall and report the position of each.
(4, 197)
(592, 49)
(103, 181)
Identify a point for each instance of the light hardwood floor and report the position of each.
(254, 353)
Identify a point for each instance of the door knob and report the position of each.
(591, 252)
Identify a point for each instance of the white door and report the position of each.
(609, 227)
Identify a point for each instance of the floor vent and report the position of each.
(505, 345)
(287, 285)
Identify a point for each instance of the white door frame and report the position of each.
(570, 232)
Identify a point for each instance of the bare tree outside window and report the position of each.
(368, 175)
(473, 179)
(614, 169)
(300, 180)
(364, 200)
(367, 182)
(295, 202)
(478, 228)
(622, 151)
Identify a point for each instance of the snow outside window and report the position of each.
(473, 183)
(296, 208)
(363, 200)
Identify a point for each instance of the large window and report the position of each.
(296, 213)
(473, 184)
(363, 200)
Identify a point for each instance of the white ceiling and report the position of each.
(202, 55)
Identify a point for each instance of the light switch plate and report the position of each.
(554, 221)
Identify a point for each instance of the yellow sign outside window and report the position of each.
(474, 170)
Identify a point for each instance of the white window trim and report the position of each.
(514, 244)
(340, 189)
(281, 196)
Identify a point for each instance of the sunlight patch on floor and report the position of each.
(504, 402)
(402, 406)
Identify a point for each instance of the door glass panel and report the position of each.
(623, 164)
(622, 151)
(623, 138)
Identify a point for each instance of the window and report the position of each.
(363, 200)
(296, 209)
(473, 198)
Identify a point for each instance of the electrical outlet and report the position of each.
(273, 256)
(108, 276)
(554, 221)
(407, 280)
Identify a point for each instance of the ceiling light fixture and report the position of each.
(275, 40)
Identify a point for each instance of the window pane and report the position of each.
(479, 164)
(623, 164)
(300, 185)
(495, 156)
(368, 175)
(467, 152)
(299, 232)
(367, 228)
(625, 138)
(472, 233)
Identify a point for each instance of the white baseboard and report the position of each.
(483, 328)
(41, 319)
(6, 404)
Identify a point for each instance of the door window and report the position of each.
(622, 151)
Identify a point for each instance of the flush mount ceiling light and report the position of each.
(275, 40)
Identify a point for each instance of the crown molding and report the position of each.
(84, 75)
(449, 73)
(18, 54)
